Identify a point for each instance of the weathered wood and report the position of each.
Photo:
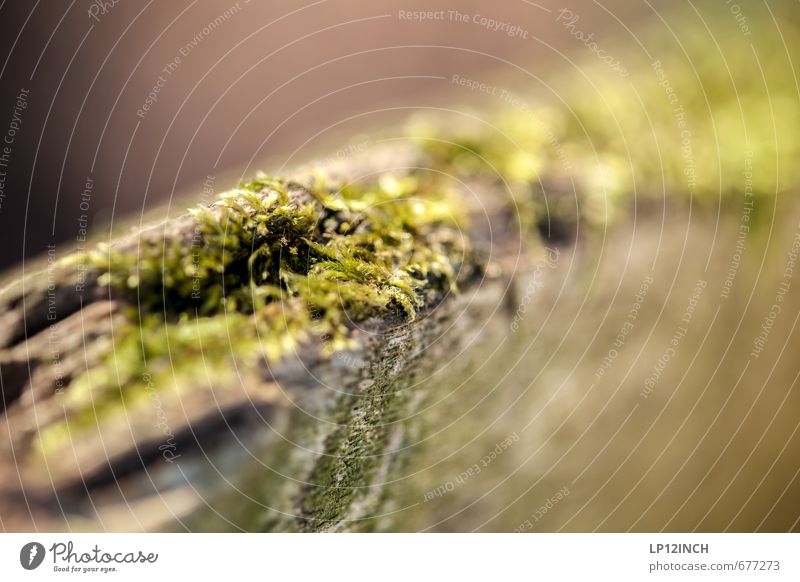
(302, 444)
(188, 432)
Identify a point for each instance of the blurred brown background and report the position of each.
(266, 79)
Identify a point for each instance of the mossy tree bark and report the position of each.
(114, 426)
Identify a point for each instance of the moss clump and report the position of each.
(271, 264)
(355, 248)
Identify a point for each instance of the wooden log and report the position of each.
(303, 441)
(254, 364)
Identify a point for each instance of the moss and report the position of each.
(272, 264)
(376, 244)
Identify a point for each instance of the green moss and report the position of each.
(272, 264)
(371, 245)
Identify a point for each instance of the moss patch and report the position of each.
(274, 264)
(271, 264)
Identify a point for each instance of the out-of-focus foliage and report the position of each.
(703, 104)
